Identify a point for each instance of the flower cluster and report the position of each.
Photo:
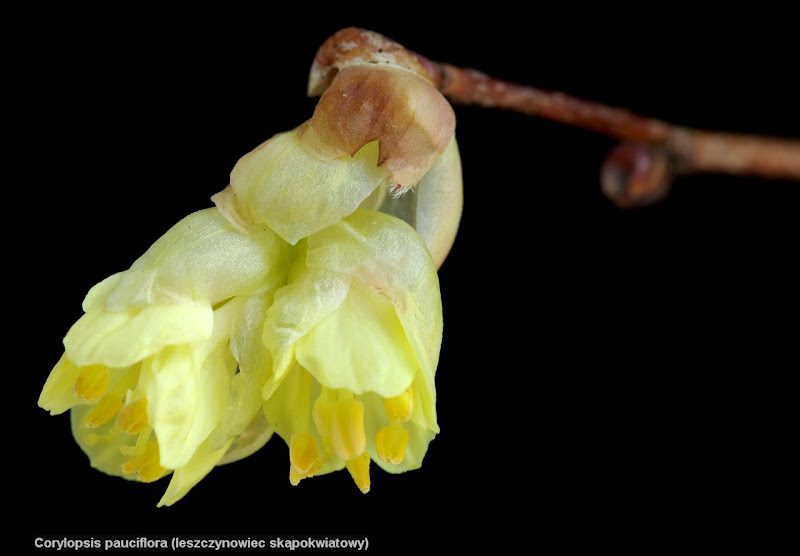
(293, 307)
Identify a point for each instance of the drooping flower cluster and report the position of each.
(292, 307)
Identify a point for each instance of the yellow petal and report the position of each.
(440, 199)
(173, 402)
(297, 307)
(122, 338)
(57, 395)
(202, 259)
(361, 346)
(252, 439)
(97, 295)
(186, 477)
(188, 391)
(255, 365)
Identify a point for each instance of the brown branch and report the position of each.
(467, 86)
(633, 176)
(637, 172)
(699, 151)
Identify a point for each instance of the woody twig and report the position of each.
(637, 172)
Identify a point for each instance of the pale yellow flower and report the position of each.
(354, 337)
(148, 368)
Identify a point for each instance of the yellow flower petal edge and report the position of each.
(183, 479)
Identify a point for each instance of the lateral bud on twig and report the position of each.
(635, 175)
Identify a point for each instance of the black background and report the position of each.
(607, 378)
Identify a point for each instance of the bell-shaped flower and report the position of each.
(148, 369)
(354, 337)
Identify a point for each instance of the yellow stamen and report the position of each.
(322, 416)
(138, 448)
(347, 429)
(344, 394)
(303, 452)
(359, 470)
(133, 417)
(401, 407)
(295, 476)
(147, 466)
(92, 382)
(129, 467)
(327, 447)
(322, 419)
(391, 443)
(103, 411)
